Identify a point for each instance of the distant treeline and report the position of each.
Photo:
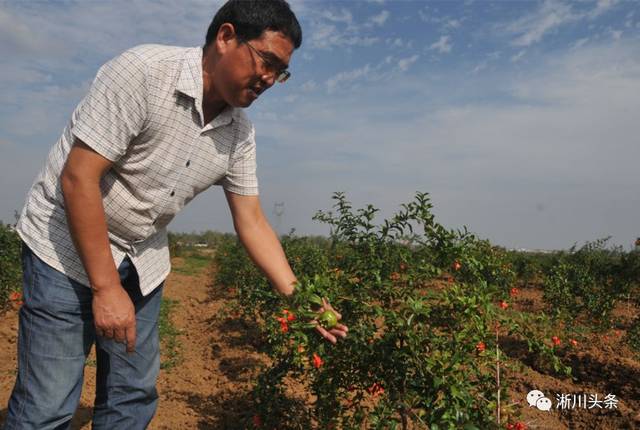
(181, 242)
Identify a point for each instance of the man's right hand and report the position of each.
(114, 315)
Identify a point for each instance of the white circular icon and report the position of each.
(533, 397)
(543, 404)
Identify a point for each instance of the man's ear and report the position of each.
(226, 38)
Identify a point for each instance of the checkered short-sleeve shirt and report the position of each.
(144, 113)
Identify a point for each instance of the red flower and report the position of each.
(15, 295)
(317, 361)
(503, 304)
(513, 292)
(288, 315)
(573, 342)
(394, 276)
(520, 426)
(284, 327)
(456, 265)
(376, 389)
(257, 421)
(480, 346)
(556, 340)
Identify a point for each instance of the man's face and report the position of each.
(245, 70)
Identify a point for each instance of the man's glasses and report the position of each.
(281, 74)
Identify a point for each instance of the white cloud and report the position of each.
(17, 38)
(480, 67)
(517, 57)
(343, 16)
(446, 23)
(602, 6)
(385, 70)
(309, 86)
(579, 43)
(379, 19)
(442, 45)
(330, 29)
(454, 23)
(346, 77)
(616, 34)
(405, 63)
(551, 15)
(533, 27)
(398, 42)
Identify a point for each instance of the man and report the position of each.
(159, 125)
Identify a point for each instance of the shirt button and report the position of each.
(188, 163)
(173, 193)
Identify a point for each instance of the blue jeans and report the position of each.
(55, 334)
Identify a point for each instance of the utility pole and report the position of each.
(278, 211)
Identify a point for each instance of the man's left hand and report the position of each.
(339, 330)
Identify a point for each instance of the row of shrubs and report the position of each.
(426, 308)
(417, 352)
(583, 286)
(10, 266)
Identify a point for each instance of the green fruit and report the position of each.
(328, 319)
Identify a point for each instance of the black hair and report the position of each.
(251, 18)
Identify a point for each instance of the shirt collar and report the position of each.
(190, 84)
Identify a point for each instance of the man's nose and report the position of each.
(268, 79)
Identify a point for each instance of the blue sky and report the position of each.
(519, 118)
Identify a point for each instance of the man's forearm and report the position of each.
(265, 250)
(88, 228)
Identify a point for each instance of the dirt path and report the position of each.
(209, 389)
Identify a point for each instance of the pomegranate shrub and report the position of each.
(426, 308)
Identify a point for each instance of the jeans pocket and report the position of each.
(46, 287)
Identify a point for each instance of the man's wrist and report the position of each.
(290, 291)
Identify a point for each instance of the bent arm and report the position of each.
(260, 241)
